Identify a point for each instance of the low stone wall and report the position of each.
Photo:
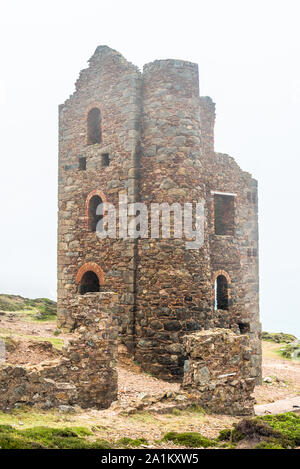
(85, 375)
(217, 369)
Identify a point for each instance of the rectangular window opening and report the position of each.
(224, 214)
(82, 163)
(105, 159)
(244, 327)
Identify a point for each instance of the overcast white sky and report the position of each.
(248, 54)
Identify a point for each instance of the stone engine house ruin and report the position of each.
(150, 136)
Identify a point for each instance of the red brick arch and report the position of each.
(87, 203)
(214, 277)
(221, 272)
(90, 266)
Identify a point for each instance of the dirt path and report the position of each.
(291, 404)
(16, 324)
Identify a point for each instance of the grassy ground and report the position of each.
(155, 431)
(271, 349)
(283, 344)
(35, 309)
(109, 425)
(6, 336)
(275, 350)
(25, 428)
(34, 321)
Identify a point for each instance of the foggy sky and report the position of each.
(248, 55)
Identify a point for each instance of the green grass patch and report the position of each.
(290, 351)
(176, 412)
(11, 343)
(230, 434)
(288, 424)
(41, 309)
(11, 303)
(271, 444)
(278, 337)
(57, 343)
(131, 443)
(34, 417)
(271, 431)
(141, 416)
(196, 409)
(50, 438)
(189, 439)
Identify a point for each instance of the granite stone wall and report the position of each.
(217, 369)
(86, 373)
(159, 134)
(173, 283)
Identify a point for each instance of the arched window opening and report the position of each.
(94, 126)
(95, 212)
(89, 283)
(221, 292)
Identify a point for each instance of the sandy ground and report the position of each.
(284, 375)
(18, 324)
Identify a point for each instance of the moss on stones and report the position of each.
(270, 431)
(189, 439)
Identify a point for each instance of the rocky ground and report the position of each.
(147, 407)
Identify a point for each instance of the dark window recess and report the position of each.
(252, 252)
(89, 283)
(224, 214)
(105, 159)
(188, 298)
(70, 167)
(95, 212)
(244, 327)
(221, 293)
(252, 197)
(94, 126)
(82, 163)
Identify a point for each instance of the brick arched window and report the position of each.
(94, 132)
(89, 278)
(221, 290)
(93, 209)
(89, 283)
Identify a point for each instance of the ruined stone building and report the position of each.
(150, 135)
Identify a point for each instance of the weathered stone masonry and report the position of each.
(155, 143)
(217, 369)
(86, 375)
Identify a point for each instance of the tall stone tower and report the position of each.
(150, 136)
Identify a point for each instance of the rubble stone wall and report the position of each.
(85, 375)
(217, 369)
